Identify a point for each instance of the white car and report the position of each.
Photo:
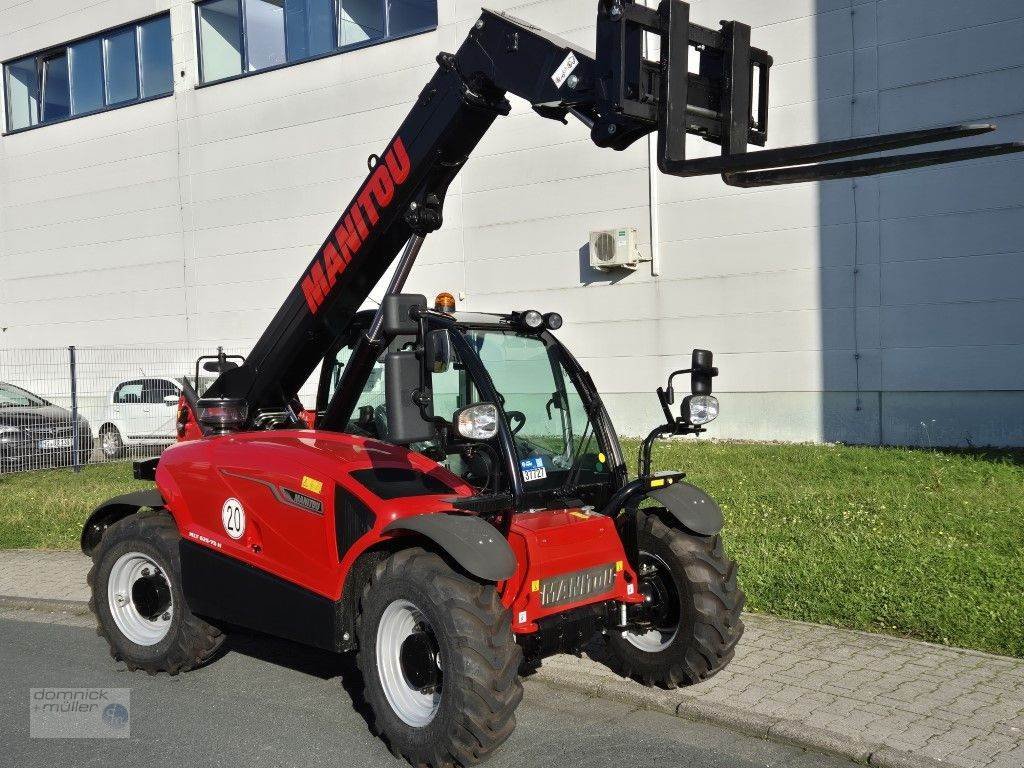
(139, 412)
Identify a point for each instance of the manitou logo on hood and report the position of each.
(376, 194)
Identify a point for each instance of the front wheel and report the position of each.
(138, 601)
(694, 606)
(439, 661)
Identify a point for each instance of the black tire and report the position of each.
(110, 442)
(190, 641)
(479, 661)
(710, 602)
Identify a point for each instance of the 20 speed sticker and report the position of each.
(232, 517)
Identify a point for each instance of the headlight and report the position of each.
(530, 320)
(7, 434)
(700, 409)
(478, 422)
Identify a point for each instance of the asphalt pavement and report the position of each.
(270, 703)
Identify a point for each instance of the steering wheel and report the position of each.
(516, 416)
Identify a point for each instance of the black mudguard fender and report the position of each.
(693, 508)
(112, 510)
(474, 544)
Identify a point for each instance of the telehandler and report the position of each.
(457, 506)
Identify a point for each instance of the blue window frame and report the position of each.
(240, 37)
(111, 69)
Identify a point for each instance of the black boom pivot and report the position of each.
(618, 93)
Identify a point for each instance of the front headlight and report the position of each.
(700, 409)
(7, 434)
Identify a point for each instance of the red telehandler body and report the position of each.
(457, 505)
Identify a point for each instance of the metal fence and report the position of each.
(74, 406)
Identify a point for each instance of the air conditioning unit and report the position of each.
(614, 249)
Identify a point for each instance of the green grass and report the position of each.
(46, 510)
(925, 544)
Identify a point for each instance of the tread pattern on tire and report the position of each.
(708, 644)
(197, 641)
(485, 677)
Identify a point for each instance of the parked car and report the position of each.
(140, 412)
(35, 433)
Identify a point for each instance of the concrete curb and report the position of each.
(654, 699)
(770, 728)
(73, 607)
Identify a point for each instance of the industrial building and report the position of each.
(169, 167)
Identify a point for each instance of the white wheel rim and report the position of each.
(141, 630)
(655, 640)
(397, 623)
(110, 442)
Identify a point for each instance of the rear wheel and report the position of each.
(694, 606)
(439, 661)
(111, 442)
(137, 598)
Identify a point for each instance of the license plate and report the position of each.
(57, 442)
(577, 586)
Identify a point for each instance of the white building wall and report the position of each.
(883, 310)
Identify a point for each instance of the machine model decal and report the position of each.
(533, 469)
(205, 539)
(377, 193)
(567, 68)
(232, 517)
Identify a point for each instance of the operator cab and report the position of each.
(489, 385)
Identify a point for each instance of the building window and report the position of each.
(241, 36)
(111, 69)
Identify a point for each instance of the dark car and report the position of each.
(35, 433)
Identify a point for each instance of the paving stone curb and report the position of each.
(738, 719)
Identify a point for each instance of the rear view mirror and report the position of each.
(410, 413)
(219, 366)
(171, 400)
(437, 352)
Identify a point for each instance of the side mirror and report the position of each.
(171, 400)
(477, 422)
(410, 413)
(437, 351)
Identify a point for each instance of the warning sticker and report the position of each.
(533, 469)
(567, 67)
